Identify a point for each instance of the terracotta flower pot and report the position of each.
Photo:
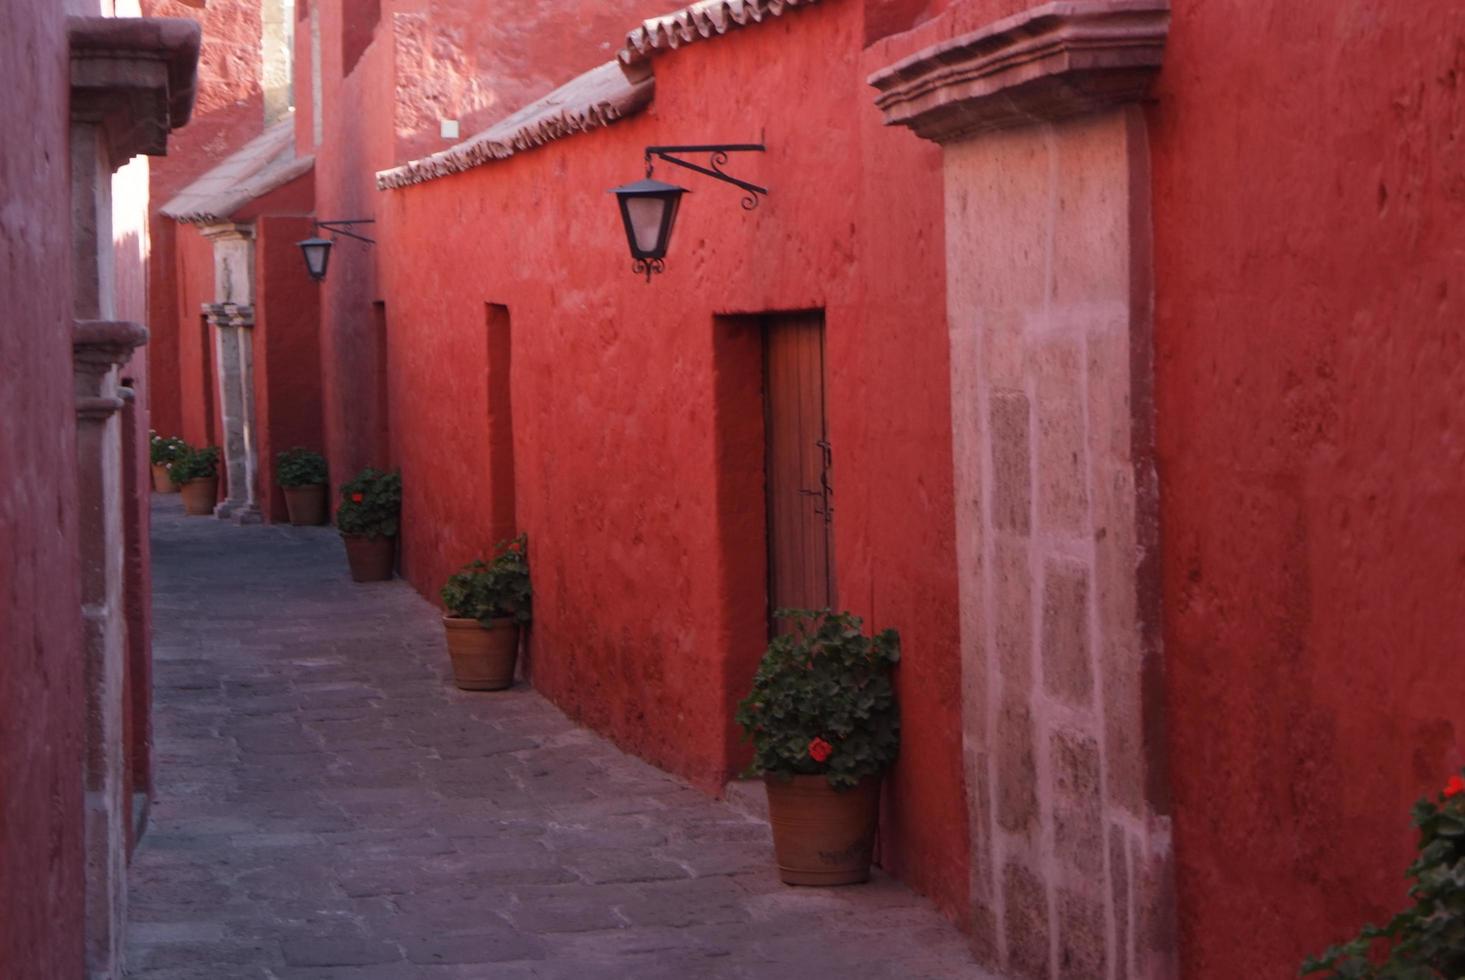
(483, 659)
(822, 835)
(199, 496)
(162, 481)
(371, 559)
(306, 505)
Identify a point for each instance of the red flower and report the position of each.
(819, 750)
(358, 497)
(1454, 787)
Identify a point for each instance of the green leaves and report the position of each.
(826, 680)
(162, 452)
(300, 467)
(371, 504)
(500, 589)
(194, 464)
(1427, 941)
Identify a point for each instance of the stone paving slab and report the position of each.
(330, 807)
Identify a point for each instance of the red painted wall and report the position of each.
(1309, 197)
(286, 354)
(637, 411)
(194, 285)
(41, 913)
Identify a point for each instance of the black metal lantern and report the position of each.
(317, 253)
(649, 207)
(317, 250)
(649, 210)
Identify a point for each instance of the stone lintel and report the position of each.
(229, 314)
(1052, 62)
(135, 77)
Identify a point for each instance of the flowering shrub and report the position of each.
(194, 464)
(162, 451)
(822, 702)
(299, 467)
(1427, 941)
(499, 589)
(371, 504)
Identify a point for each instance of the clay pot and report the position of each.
(306, 505)
(371, 559)
(162, 482)
(822, 835)
(483, 659)
(199, 496)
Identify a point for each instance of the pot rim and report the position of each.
(465, 622)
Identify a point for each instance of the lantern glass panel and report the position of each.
(317, 252)
(646, 215)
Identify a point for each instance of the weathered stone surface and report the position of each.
(1067, 671)
(1026, 903)
(1017, 790)
(1013, 610)
(1081, 947)
(329, 806)
(1011, 462)
(1062, 489)
(1078, 818)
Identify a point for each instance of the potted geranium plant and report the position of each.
(825, 725)
(301, 473)
(196, 471)
(1426, 940)
(487, 602)
(371, 505)
(162, 453)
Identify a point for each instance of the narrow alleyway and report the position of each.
(329, 806)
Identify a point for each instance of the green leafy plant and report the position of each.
(822, 700)
(371, 504)
(195, 464)
(1426, 941)
(499, 589)
(300, 467)
(163, 451)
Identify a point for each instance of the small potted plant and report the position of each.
(196, 471)
(197, 475)
(301, 473)
(162, 453)
(825, 725)
(371, 505)
(487, 602)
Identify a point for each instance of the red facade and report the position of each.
(1307, 378)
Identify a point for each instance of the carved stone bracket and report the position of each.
(97, 347)
(229, 314)
(1053, 62)
(135, 78)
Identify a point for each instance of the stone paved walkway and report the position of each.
(329, 806)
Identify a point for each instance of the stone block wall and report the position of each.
(1050, 316)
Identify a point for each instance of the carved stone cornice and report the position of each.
(229, 314)
(98, 346)
(1052, 62)
(134, 77)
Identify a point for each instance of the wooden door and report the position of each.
(800, 495)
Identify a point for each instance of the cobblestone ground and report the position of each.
(329, 806)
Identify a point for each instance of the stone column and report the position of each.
(232, 317)
(99, 348)
(131, 85)
(1049, 301)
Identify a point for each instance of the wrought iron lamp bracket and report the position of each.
(716, 160)
(338, 228)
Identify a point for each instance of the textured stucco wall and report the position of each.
(41, 699)
(627, 397)
(1309, 194)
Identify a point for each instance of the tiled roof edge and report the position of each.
(698, 22)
